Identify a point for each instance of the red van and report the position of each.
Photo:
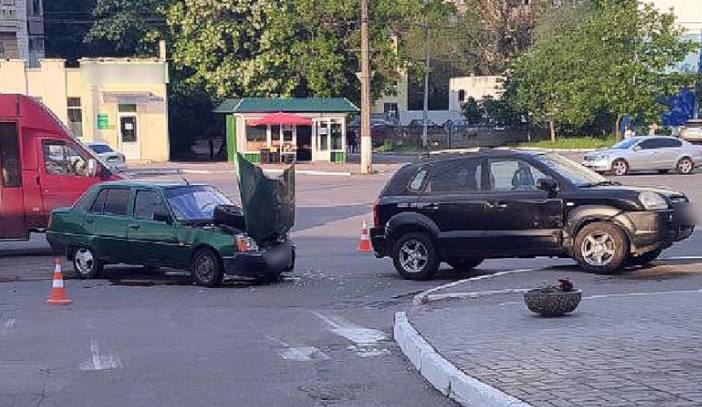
(42, 166)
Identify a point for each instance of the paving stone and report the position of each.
(618, 351)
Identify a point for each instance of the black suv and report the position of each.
(464, 208)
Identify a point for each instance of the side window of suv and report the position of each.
(509, 175)
(457, 176)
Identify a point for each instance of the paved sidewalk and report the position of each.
(619, 349)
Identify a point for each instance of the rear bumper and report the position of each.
(379, 242)
(268, 261)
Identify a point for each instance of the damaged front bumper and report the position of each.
(649, 230)
(271, 260)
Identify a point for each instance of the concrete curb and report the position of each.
(427, 296)
(179, 171)
(445, 377)
(559, 150)
(472, 295)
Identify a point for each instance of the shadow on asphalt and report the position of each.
(143, 277)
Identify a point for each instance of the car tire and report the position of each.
(415, 256)
(620, 167)
(601, 248)
(464, 264)
(206, 268)
(685, 166)
(645, 258)
(85, 263)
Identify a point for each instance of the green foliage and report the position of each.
(472, 111)
(238, 48)
(131, 27)
(616, 61)
(577, 142)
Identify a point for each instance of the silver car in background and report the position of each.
(650, 153)
(115, 160)
(692, 131)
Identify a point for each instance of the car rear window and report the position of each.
(398, 184)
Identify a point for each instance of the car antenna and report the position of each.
(185, 180)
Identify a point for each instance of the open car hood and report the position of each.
(268, 203)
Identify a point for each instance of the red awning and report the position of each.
(282, 119)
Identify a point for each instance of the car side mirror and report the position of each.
(637, 148)
(163, 217)
(92, 167)
(547, 184)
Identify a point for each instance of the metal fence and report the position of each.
(440, 138)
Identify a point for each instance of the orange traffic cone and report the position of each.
(365, 244)
(58, 291)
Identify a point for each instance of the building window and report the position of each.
(75, 117)
(461, 95)
(256, 138)
(36, 8)
(127, 108)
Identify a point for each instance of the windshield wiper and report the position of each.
(599, 184)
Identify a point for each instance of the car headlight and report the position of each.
(652, 201)
(245, 243)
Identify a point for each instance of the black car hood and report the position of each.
(268, 203)
(634, 190)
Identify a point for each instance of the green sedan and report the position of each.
(164, 225)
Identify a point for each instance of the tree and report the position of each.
(617, 60)
(131, 27)
(472, 111)
(237, 48)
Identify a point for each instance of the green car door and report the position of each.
(105, 224)
(152, 233)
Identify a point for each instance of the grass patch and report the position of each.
(573, 142)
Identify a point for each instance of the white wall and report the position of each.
(688, 12)
(476, 87)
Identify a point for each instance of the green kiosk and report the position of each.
(286, 130)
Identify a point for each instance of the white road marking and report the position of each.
(100, 361)
(303, 354)
(6, 323)
(355, 333)
(365, 339)
(682, 258)
(298, 353)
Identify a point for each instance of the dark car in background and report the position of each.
(464, 208)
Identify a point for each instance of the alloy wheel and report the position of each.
(598, 249)
(685, 166)
(620, 167)
(413, 256)
(84, 261)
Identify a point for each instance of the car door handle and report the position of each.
(430, 207)
(497, 204)
(134, 226)
(89, 221)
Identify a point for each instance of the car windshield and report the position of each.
(101, 148)
(195, 202)
(625, 144)
(572, 171)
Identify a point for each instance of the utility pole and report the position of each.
(366, 143)
(425, 112)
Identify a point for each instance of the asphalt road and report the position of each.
(319, 337)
